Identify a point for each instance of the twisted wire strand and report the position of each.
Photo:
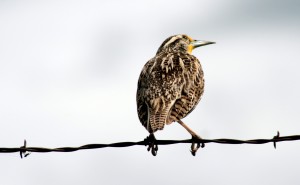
(25, 151)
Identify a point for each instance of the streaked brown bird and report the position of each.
(170, 85)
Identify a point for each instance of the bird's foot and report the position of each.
(151, 143)
(196, 144)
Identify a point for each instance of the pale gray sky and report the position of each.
(68, 77)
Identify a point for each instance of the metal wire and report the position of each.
(25, 151)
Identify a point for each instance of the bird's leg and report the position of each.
(189, 130)
(195, 138)
(151, 142)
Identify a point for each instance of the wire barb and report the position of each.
(275, 138)
(25, 150)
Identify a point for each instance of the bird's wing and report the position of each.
(192, 90)
(141, 99)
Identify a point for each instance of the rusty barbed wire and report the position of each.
(25, 151)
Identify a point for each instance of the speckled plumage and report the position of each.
(170, 84)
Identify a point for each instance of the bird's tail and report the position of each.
(157, 120)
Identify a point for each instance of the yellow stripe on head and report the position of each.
(190, 46)
(190, 38)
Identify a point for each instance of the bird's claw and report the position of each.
(151, 143)
(196, 144)
(153, 147)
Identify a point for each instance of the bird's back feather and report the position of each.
(169, 87)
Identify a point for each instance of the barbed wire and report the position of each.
(25, 151)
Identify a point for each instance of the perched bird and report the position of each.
(170, 84)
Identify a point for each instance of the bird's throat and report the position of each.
(190, 49)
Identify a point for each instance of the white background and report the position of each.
(68, 77)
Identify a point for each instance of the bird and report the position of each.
(170, 86)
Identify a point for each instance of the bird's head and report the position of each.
(181, 43)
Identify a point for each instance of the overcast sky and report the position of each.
(68, 77)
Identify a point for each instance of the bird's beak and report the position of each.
(198, 43)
